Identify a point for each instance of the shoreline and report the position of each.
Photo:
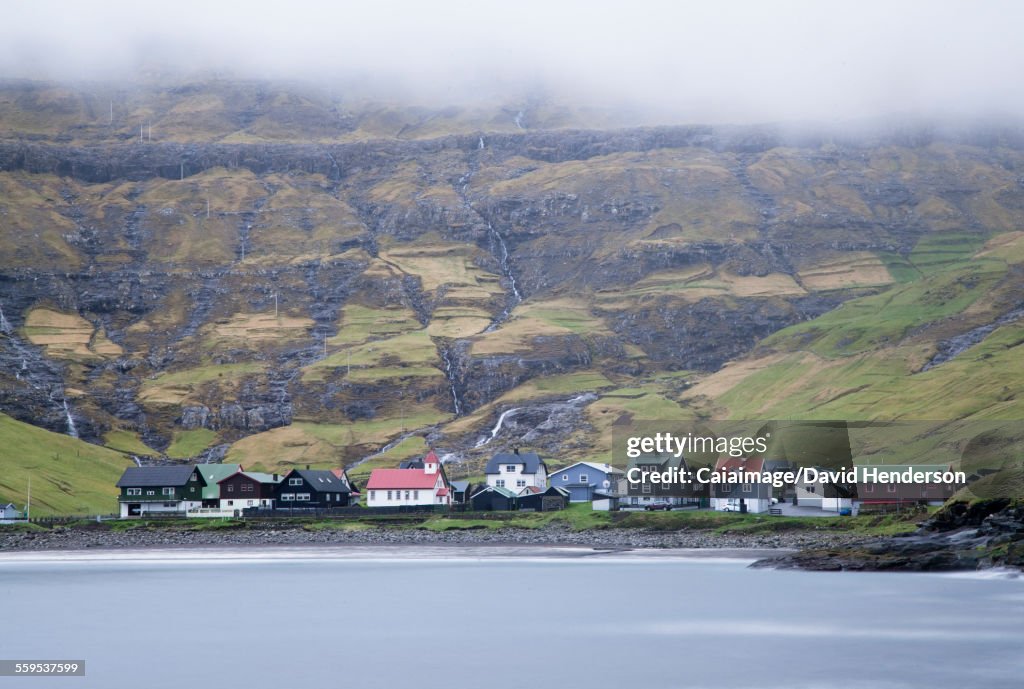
(552, 536)
(381, 553)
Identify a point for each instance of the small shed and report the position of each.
(603, 502)
(492, 499)
(554, 498)
(460, 492)
(10, 512)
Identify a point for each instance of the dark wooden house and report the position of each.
(311, 488)
(162, 489)
(247, 489)
(554, 498)
(492, 499)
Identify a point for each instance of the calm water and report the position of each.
(328, 619)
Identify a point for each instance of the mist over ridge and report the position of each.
(655, 62)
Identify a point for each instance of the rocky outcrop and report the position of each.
(963, 536)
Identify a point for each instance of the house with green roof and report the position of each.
(213, 474)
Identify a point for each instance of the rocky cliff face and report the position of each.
(193, 293)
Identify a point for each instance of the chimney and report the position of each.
(516, 450)
(307, 467)
(276, 477)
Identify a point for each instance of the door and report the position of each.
(743, 506)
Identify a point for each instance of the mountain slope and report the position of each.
(284, 297)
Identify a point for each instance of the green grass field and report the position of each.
(68, 476)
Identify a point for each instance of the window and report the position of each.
(415, 495)
(520, 483)
(250, 503)
(231, 488)
(869, 488)
(406, 495)
(246, 488)
(584, 478)
(287, 497)
(295, 482)
(231, 503)
(565, 477)
(302, 496)
(133, 491)
(747, 487)
(511, 468)
(891, 487)
(500, 483)
(373, 495)
(645, 487)
(389, 495)
(150, 492)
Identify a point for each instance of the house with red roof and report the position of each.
(745, 495)
(420, 482)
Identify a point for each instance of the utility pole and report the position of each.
(325, 345)
(207, 207)
(183, 170)
(348, 360)
(275, 316)
(28, 505)
(149, 132)
(142, 133)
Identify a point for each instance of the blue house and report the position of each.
(582, 479)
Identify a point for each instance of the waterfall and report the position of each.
(519, 119)
(506, 270)
(481, 143)
(449, 371)
(5, 325)
(72, 429)
(497, 427)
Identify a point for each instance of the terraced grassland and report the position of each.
(188, 444)
(67, 336)
(334, 445)
(177, 387)
(538, 318)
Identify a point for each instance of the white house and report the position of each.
(516, 471)
(417, 483)
(828, 497)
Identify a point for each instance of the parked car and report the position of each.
(731, 508)
(659, 505)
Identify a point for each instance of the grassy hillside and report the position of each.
(68, 476)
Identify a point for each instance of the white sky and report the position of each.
(719, 61)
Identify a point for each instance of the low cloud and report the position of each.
(740, 61)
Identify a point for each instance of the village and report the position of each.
(512, 481)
